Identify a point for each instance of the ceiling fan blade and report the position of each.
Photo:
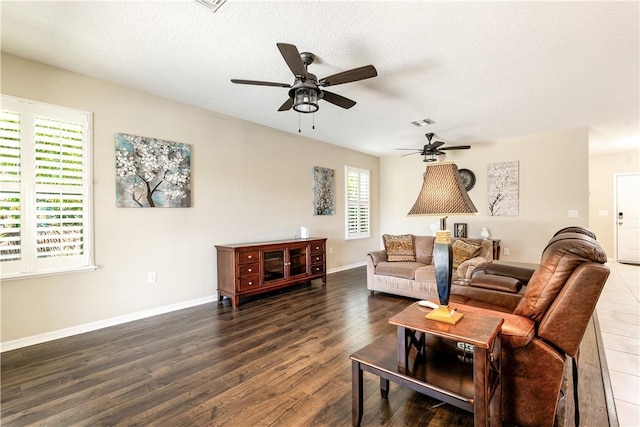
(287, 105)
(258, 83)
(436, 144)
(353, 75)
(413, 149)
(408, 154)
(338, 100)
(457, 147)
(292, 58)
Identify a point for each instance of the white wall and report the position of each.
(554, 178)
(602, 169)
(249, 183)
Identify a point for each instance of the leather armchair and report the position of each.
(546, 326)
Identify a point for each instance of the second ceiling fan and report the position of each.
(307, 89)
(432, 150)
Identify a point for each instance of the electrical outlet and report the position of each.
(573, 213)
(151, 277)
(330, 250)
(505, 251)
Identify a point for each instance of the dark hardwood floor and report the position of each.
(281, 360)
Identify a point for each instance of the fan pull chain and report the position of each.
(299, 123)
(313, 126)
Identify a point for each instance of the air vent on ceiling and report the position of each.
(423, 122)
(212, 4)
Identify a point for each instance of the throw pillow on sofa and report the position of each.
(400, 247)
(463, 251)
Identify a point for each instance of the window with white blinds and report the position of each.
(45, 178)
(358, 206)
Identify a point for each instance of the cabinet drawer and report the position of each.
(245, 270)
(317, 258)
(315, 269)
(317, 247)
(250, 282)
(248, 256)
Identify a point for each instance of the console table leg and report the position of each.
(356, 393)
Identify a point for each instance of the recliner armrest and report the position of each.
(517, 331)
(520, 271)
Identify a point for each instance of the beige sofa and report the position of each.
(417, 279)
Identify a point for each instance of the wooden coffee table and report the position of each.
(457, 364)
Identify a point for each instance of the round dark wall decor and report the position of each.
(468, 178)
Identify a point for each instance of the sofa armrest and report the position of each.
(466, 268)
(378, 256)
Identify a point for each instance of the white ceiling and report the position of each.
(481, 70)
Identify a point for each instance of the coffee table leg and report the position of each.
(384, 388)
(356, 393)
(403, 354)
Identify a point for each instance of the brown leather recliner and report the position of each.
(546, 326)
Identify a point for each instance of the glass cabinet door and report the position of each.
(273, 265)
(297, 261)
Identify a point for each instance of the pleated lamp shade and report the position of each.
(442, 192)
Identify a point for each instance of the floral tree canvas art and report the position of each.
(503, 188)
(152, 172)
(323, 189)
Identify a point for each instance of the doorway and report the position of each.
(627, 193)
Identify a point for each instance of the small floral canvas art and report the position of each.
(152, 173)
(323, 188)
(503, 188)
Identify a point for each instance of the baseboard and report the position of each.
(93, 326)
(346, 267)
(610, 402)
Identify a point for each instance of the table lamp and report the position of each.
(443, 194)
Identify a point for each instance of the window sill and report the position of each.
(357, 237)
(34, 275)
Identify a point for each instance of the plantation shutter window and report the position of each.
(45, 175)
(357, 192)
(10, 248)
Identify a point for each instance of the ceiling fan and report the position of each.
(307, 89)
(431, 151)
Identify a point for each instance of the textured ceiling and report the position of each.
(480, 70)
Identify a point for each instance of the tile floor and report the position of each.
(619, 318)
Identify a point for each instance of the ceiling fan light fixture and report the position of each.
(305, 100)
